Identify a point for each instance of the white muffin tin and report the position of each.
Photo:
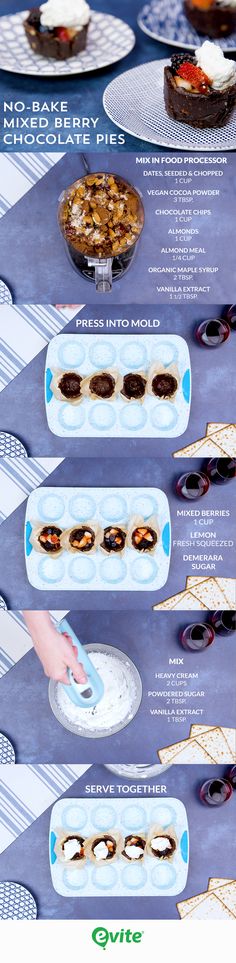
(118, 418)
(149, 877)
(66, 507)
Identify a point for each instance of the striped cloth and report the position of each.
(24, 332)
(19, 172)
(20, 476)
(27, 791)
(15, 639)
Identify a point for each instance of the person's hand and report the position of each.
(55, 651)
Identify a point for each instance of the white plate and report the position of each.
(7, 753)
(109, 39)
(16, 902)
(151, 877)
(5, 293)
(118, 419)
(166, 22)
(134, 101)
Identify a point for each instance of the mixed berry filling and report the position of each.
(144, 538)
(114, 539)
(49, 538)
(62, 33)
(82, 539)
(188, 75)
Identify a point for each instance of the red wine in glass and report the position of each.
(224, 623)
(212, 333)
(192, 485)
(197, 637)
(215, 792)
(232, 776)
(221, 470)
(231, 316)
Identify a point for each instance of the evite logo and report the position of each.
(101, 936)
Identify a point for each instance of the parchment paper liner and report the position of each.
(37, 528)
(158, 368)
(62, 836)
(104, 550)
(157, 830)
(142, 836)
(65, 539)
(88, 393)
(137, 521)
(54, 386)
(113, 834)
(142, 374)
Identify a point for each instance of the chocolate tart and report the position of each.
(102, 385)
(164, 849)
(144, 538)
(114, 539)
(113, 843)
(211, 109)
(47, 539)
(217, 21)
(59, 43)
(134, 386)
(78, 859)
(164, 385)
(70, 385)
(134, 842)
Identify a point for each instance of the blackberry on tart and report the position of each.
(200, 90)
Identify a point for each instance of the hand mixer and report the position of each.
(83, 694)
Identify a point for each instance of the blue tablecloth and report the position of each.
(212, 833)
(85, 93)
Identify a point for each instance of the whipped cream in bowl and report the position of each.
(72, 14)
(220, 71)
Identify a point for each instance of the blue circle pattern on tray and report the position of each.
(165, 20)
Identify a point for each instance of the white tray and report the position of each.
(109, 39)
(134, 101)
(119, 418)
(65, 507)
(147, 878)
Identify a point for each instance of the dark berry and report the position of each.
(182, 58)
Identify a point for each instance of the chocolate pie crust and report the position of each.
(215, 22)
(198, 110)
(48, 45)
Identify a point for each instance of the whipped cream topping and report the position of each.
(101, 850)
(221, 72)
(133, 852)
(72, 14)
(160, 843)
(71, 848)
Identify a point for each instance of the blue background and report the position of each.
(211, 851)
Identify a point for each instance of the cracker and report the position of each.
(190, 451)
(187, 752)
(228, 587)
(230, 736)
(213, 426)
(188, 904)
(227, 895)
(196, 730)
(214, 882)
(183, 600)
(226, 438)
(215, 744)
(210, 908)
(209, 592)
